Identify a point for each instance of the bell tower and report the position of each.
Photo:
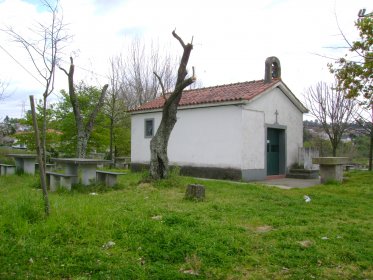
(272, 69)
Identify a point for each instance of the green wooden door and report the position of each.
(273, 151)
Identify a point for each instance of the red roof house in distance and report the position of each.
(244, 131)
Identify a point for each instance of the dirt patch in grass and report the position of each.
(263, 229)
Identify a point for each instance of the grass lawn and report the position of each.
(144, 231)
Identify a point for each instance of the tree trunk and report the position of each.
(158, 145)
(44, 131)
(81, 148)
(111, 152)
(43, 181)
(371, 147)
(334, 150)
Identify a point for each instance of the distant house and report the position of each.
(243, 131)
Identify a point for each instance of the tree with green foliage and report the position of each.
(52, 134)
(84, 123)
(355, 76)
(88, 97)
(354, 71)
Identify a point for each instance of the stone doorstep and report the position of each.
(303, 174)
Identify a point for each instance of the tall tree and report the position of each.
(158, 145)
(64, 123)
(44, 50)
(354, 71)
(115, 106)
(332, 109)
(84, 128)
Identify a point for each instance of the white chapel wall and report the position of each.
(207, 137)
(253, 140)
(288, 115)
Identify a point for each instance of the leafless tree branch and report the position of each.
(161, 84)
(332, 109)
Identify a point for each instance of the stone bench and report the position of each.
(55, 180)
(48, 166)
(123, 162)
(349, 167)
(7, 169)
(107, 177)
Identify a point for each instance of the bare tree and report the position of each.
(332, 109)
(44, 50)
(115, 106)
(158, 145)
(3, 87)
(137, 66)
(84, 130)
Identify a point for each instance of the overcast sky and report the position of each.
(231, 41)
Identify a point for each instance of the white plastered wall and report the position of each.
(288, 115)
(208, 137)
(253, 139)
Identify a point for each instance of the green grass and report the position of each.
(240, 231)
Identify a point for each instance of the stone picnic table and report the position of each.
(24, 162)
(331, 168)
(87, 172)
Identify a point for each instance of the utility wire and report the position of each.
(20, 64)
(24, 68)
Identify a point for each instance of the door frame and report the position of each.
(282, 148)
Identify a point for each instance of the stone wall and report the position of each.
(305, 156)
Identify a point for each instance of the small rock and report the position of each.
(305, 243)
(142, 261)
(157, 218)
(108, 245)
(190, 272)
(262, 229)
(324, 238)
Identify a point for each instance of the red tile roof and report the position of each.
(216, 94)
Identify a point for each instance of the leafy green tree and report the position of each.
(52, 135)
(88, 97)
(355, 76)
(122, 139)
(84, 123)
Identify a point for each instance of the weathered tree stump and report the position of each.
(195, 192)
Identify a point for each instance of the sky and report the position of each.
(231, 39)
